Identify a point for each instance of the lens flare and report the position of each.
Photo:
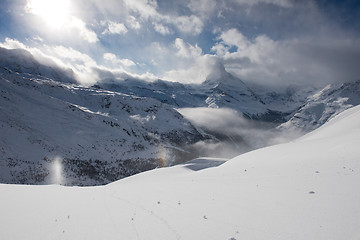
(57, 171)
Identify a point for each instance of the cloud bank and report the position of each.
(269, 42)
(236, 134)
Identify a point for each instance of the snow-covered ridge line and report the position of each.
(323, 105)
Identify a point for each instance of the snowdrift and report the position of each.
(306, 189)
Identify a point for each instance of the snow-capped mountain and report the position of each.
(222, 91)
(98, 136)
(324, 104)
(306, 189)
(118, 128)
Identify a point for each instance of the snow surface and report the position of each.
(306, 189)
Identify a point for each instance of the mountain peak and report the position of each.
(220, 77)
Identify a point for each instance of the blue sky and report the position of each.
(271, 42)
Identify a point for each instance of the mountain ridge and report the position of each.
(42, 120)
(117, 128)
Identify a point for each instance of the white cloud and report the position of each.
(115, 60)
(306, 49)
(37, 38)
(133, 23)
(160, 28)
(189, 24)
(233, 37)
(196, 71)
(70, 54)
(186, 50)
(204, 8)
(307, 60)
(115, 28)
(146, 8)
(220, 49)
(86, 34)
(110, 57)
(127, 62)
(12, 44)
(133, 13)
(85, 68)
(239, 133)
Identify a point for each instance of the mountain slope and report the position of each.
(99, 136)
(324, 104)
(307, 189)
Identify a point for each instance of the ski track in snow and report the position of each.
(149, 212)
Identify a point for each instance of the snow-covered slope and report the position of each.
(306, 189)
(99, 136)
(323, 105)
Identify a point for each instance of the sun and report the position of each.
(54, 13)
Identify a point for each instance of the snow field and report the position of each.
(306, 189)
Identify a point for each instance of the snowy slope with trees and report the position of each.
(306, 189)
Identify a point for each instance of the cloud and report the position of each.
(235, 133)
(86, 70)
(189, 24)
(115, 28)
(115, 60)
(227, 120)
(197, 70)
(271, 42)
(186, 50)
(71, 54)
(146, 8)
(160, 28)
(184, 62)
(176, 57)
(300, 60)
(80, 27)
(233, 37)
(203, 8)
(133, 23)
(12, 44)
(140, 12)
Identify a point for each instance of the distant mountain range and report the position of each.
(118, 128)
(323, 105)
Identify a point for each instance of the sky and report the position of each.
(268, 42)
